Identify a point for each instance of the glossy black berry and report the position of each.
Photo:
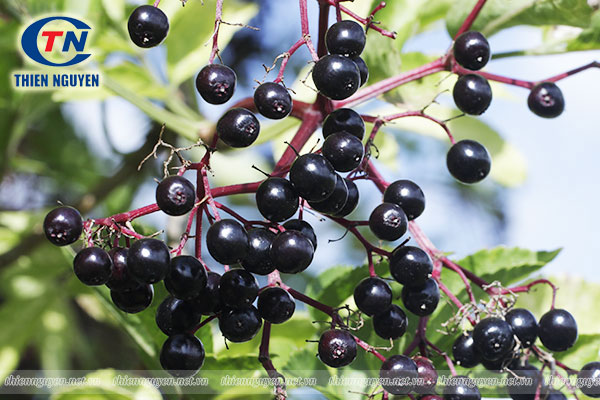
(148, 260)
(390, 323)
(120, 279)
(336, 201)
(346, 38)
(208, 301)
(93, 266)
(398, 374)
(524, 325)
(472, 94)
(509, 361)
(176, 316)
(407, 195)
(472, 50)
(238, 288)
(554, 394)
(273, 100)
(352, 201)
(216, 83)
(133, 301)
(410, 266)
(175, 195)
(528, 379)
(344, 120)
(291, 252)
(372, 295)
(421, 300)
(63, 226)
(337, 348)
(238, 127)
(186, 278)
(240, 325)
(258, 258)
(363, 69)
(227, 241)
(304, 228)
(276, 199)
(182, 355)
(336, 77)
(493, 338)
(313, 177)
(427, 375)
(558, 330)
(546, 100)
(388, 222)
(464, 351)
(275, 305)
(344, 151)
(460, 387)
(468, 161)
(590, 374)
(147, 26)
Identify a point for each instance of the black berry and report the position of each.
(182, 355)
(472, 94)
(216, 83)
(388, 222)
(291, 252)
(176, 316)
(468, 161)
(372, 295)
(344, 120)
(558, 330)
(147, 26)
(421, 300)
(186, 278)
(336, 77)
(390, 323)
(523, 325)
(464, 351)
(227, 241)
(208, 301)
(240, 325)
(427, 375)
(346, 38)
(133, 301)
(554, 394)
(63, 226)
(175, 195)
(590, 373)
(352, 201)
(120, 279)
(472, 50)
(410, 266)
(276, 199)
(148, 260)
(493, 338)
(275, 305)
(343, 150)
(337, 348)
(546, 100)
(93, 266)
(273, 100)
(529, 378)
(238, 127)
(407, 195)
(304, 228)
(238, 288)
(460, 387)
(336, 201)
(363, 69)
(313, 177)
(398, 374)
(257, 259)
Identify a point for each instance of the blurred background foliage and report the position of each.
(82, 148)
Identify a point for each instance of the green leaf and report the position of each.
(586, 349)
(589, 38)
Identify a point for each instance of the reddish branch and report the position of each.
(468, 22)
(368, 22)
(215, 45)
(265, 359)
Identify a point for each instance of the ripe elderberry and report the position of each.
(313, 177)
(134, 300)
(120, 279)
(147, 26)
(472, 94)
(472, 50)
(304, 228)
(291, 252)
(407, 195)
(468, 161)
(175, 195)
(182, 355)
(390, 323)
(336, 201)
(186, 278)
(275, 305)
(344, 120)
(238, 288)
(337, 348)
(558, 330)
(398, 374)
(227, 241)
(63, 226)
(176, 316)
(352, 201)
(148, 260)
(216, 83)
(410, 266)
(241, 324)
(493, 338)
(276, 199)
(273, 100)
(343, 150)
(421, 300)
(464, 351)
(257, 259)
(372, 295)
(388, 222)
(336, 77)
(363, 69)
(427, 375)
(208, 301)
(93, 266)
(460, 387)
(523, 325)
(346, 38)
(590, 373)
(546, 100)
(526, 387)
(238, 127)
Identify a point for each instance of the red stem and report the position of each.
(526, 288)
(312, 302)
(369, 349)
(468, 22)
(215, 44)
(365, 21)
